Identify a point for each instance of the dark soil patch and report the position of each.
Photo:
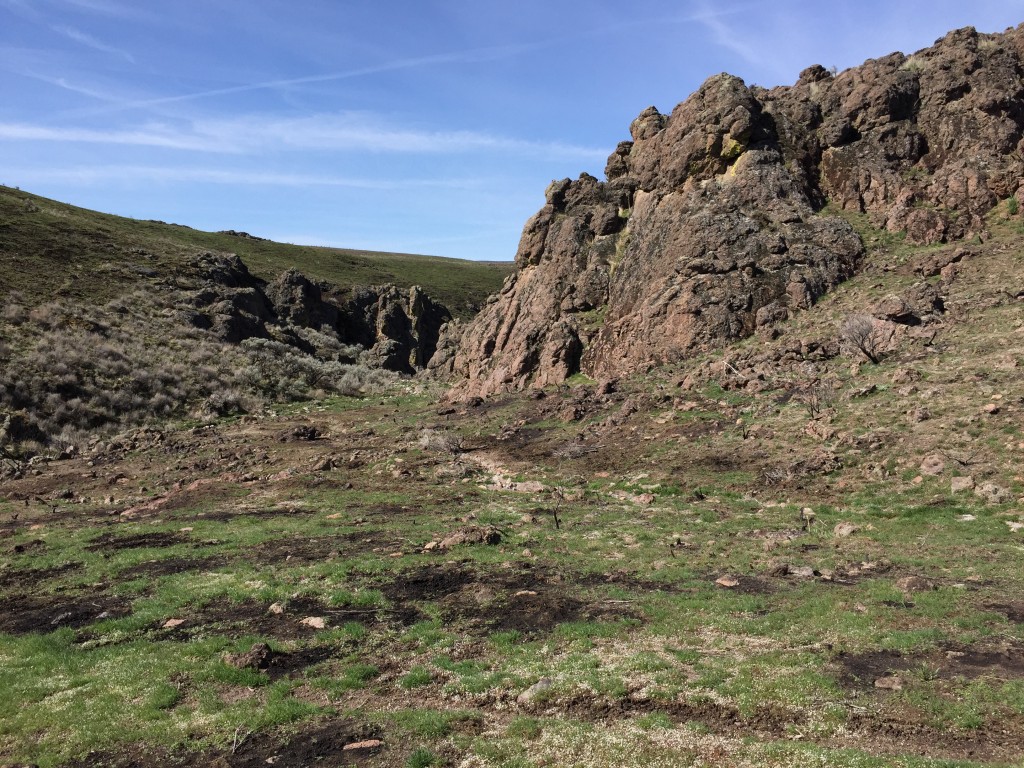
(26, 614)
(748, 585)
(110, 542)
(226, 515)
(35, 545)
(948, 662)
(529, 601)
(31, 577)
(319, 744)
(249, 617)
(292, 664)
(168, 566)
(306, 550)
(1012, 611)
(721, 718)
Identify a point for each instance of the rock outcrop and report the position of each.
(398, 327)
(714, 220)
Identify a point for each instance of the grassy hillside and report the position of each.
(50, 249)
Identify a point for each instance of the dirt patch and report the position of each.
(1013, 611)
(110, 542)
(169, 566)
(27, 614)
(947, 662)
(226, 515)
(530, 601)
(249, 617)
(32, 577)
(306, 550)
(320, 744)
(294, 663)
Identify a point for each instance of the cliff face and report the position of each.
(710, 221)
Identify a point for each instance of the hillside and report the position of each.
(98, 256)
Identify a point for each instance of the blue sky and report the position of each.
(422, 126)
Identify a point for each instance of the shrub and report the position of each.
(860, 332)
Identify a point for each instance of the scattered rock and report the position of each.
(992, 493)
(172, 623)
(933, 464)
(368, 744)
(315, 622)
(534, 691)
(911, 584)
(960, 484)
(257, 657)
(276, 608)
(728, 582)
(471, 534)
(1015, 526)
(990, 408)
(890, 683)
(845, 529)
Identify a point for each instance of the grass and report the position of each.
(98, 253)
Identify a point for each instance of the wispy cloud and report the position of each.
(142, 137)
(89, 41)
(727, 37)
(107, 174)
(107, 8)
(458, 57)
(344, 132)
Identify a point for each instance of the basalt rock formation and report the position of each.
(714, 220)
(399, 327)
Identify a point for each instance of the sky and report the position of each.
(415, 126)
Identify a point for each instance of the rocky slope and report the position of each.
(398, 327)
(715, 220)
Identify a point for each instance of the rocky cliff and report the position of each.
(714, 220)
(398, 327)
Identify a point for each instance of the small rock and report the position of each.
(727, 581)
(960, 484)
(172, 623)
(914, 584)
(891, 683)
(933, 464)
(535, 690)
(316, 622)
(276, 608)
(334, 516)
(644, 499)
(325, 464)
(527, 553)
(802, 571)
(1015, 526)
(256, 657)
(966, 518)
(526, 593)
(844, 529)
(430, 546)
(992, 493)
(991, 409)
(368, 744)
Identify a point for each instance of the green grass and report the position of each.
(97, 253)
